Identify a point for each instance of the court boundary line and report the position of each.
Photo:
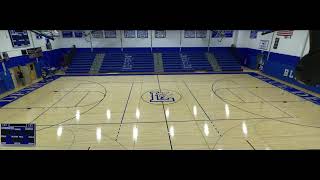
(256, 113)
(217, 73)
(250, 144)
(302, 94)
(18, 94)
(171, 121)
(235, 95)
(290, 89)
(27, 90)
(265, 101)
(68, 119)
(153, 74)
(61, 98)
(165, 117)
(219, 89)
(215, 127)
(194, 118)
(82, 99)
(124, 111)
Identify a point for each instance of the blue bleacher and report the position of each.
(127, 62)
(81, 63)
(194, 61)
(136, 62)
(172, 63)
(226, 60)
(199, 61)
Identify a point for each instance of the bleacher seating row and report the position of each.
(127, 62)
(172, 63)
(81, 63)
(199, 62)
(144, 62)
(185, 62)
(226, 60)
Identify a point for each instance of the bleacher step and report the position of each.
(158, 63)
(213, 62)
(97, 62)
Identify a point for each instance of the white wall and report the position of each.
(6, 45)
(290, 46)
(136, 42)
(307, 48)
(172, 39)
(106, 42)
(195, 42)
(225, 42)
(244, 40)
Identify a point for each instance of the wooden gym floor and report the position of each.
(202, 112)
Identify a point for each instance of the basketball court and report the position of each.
(219, 111)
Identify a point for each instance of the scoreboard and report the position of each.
(34, 52)
(18, 134)
(19, 38)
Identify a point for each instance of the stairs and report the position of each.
(158, 64)
(97, 62)
(213, 62)
(127, 63)
(185, 61)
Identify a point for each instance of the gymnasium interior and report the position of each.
(159, 90)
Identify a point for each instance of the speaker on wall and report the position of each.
(5, 56)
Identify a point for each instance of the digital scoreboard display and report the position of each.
(18, 134)
(34, 52)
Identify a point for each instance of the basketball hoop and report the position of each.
(87, 36)
(53, 33)
(220, 34)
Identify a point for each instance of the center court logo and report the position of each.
(158, 97)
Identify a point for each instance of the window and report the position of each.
(110, 33)
(160, 34)
(226, 33)
(67, 34)
(142, 34)
(97, 34)
(201, 34)
(78, 34)
(253, 34)
(130, 34)
(189, 34)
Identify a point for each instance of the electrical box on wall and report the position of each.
(276, 43)
(263, 44)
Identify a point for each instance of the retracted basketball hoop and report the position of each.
(219, 34)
